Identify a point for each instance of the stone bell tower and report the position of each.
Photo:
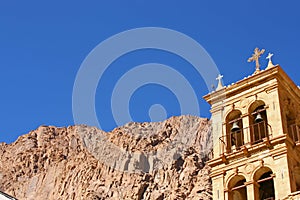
(256, 136)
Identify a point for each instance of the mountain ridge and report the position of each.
(156, 160)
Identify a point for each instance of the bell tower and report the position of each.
(256, 136)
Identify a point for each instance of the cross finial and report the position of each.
(269, 57)
(219, 79)
(255, 57)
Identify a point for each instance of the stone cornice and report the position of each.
(251, 81)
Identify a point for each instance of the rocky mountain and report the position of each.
(157, 160)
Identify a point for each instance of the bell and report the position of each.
(235, 127)
(258, 118)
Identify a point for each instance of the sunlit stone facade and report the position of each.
(256, 128)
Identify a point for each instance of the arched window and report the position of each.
(237, 188)
(234, 130)
(291, 120)
(264, 190)
(258, 121)
(293, 128)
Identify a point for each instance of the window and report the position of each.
(234, 130)
(265, 189)
(258, 122)
(237, 188)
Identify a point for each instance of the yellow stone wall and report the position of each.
(279, 152)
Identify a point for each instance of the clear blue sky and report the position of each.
(42, 46)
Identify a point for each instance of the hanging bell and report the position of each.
(235, 127)
(258, 118)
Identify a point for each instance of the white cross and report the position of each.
(269, 56)
(270, 64)
(219, 78)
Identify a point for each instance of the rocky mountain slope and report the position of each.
(157, 160)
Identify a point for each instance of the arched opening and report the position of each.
(264, 189)
(293, 128)
(237, 188)
(258, 122)
(234, 130)
(292, 122)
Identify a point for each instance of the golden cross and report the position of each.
(255, 57)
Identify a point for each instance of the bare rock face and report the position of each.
(157, 160)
